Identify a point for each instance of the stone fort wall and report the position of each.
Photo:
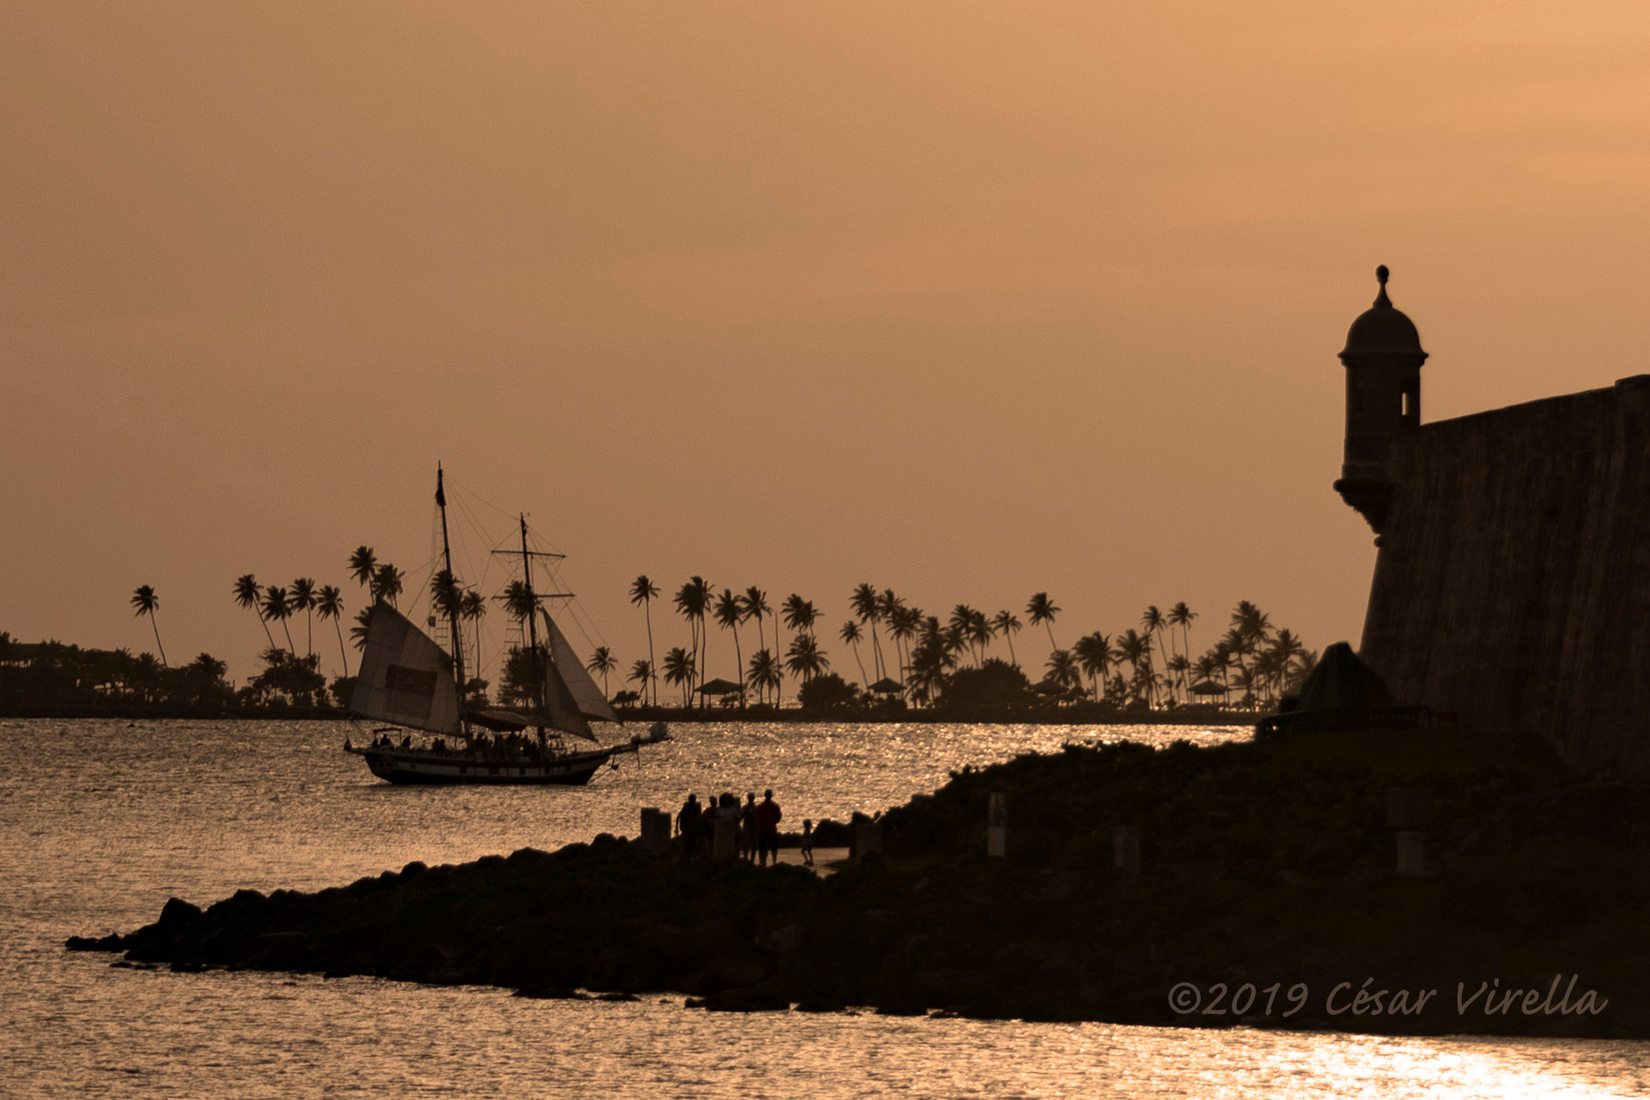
(1512, 583)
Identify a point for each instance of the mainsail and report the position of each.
(586, 696)
(405, 677)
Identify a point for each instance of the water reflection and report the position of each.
(101, 822)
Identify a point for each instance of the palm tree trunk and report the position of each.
(342, 652)
(156, 628)
(647, 610)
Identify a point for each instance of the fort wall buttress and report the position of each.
(1513, 580)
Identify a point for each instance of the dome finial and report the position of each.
(1381, 274)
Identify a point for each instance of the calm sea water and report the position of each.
(101, 822)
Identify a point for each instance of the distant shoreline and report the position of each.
(1079, 715)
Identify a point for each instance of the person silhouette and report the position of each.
(767, 816)
(687, 825)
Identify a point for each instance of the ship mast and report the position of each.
(532, 626)
(452, 603)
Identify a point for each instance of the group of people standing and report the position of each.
(755, 825)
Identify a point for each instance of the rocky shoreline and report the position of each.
(1265, 896)
(1080, 714)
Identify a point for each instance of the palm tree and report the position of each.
(755, 602)
(1180, 615)
(1041, 609)
(447, 600)
(357, 633)
(277, 608)
(851, 634)
(363, 566)
(930, 660)
(979, 631)
(763, 674)
(601, 663)
(1180, 666)
(329, 604)
(1136, 649)
(692, 603)
(888, 608)
(864, 603)
(642, 591)
(518, 601)
(1305, 664)
(1093, 653)
(730, 612)
(960, 625)
(641, 672)
(799, 614)
(805, 658)
(1204, 667)
(302, 598)
(1007, 625)
(906, 623)
(1286, 649)
(145, 600)
(249, 594)
(1062, 670)
(386, 583)
(1222, 656)
(1251, 622)
(1153, 622)
(146, 672)
(472, 608)
(679, 670)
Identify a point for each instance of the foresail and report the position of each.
(563, 710)
(405, 678)
(586, 695)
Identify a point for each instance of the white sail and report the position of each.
(586, 695)
(405, 677)
(562, 709)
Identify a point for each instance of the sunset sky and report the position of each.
(966, 300)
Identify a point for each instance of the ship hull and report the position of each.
(413, 767)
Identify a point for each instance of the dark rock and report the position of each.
(751, 998)
(552, 993)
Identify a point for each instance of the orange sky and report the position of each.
(967, 300)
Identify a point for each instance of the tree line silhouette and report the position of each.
(1149, 665)
(905, 656)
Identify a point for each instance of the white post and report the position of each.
(867, 839)
(996, 827)
(655, 830)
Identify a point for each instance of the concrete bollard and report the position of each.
(1412, 853)
(723, 840)
(1125, 849)
(867, 839)
(996, 827)
(655, 830)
